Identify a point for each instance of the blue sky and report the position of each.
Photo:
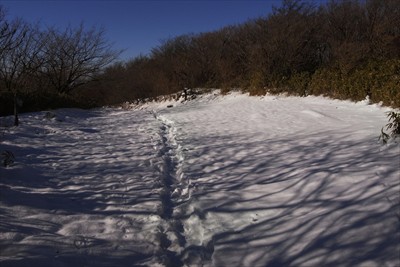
(138, 26)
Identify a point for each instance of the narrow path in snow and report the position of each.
(174, 194)
(172, 239)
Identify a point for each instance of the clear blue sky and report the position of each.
(138, 26)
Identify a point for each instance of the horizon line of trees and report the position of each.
(345, 49)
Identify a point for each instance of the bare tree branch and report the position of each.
(75, 56)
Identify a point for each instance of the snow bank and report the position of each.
(217, 181)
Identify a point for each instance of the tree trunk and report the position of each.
(16, 119)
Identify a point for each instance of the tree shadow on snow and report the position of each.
(66, 174)
(306, 202)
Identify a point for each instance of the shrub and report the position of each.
(38, 101)
(298, 83)
(256, 91)
(385, 80)
(393, 127)
(380, 80)
(7, 158)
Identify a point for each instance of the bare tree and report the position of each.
(20, 58)
(6, 32)
(75, 56)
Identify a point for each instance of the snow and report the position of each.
(222, 180)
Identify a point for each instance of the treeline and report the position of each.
(343, 49)
(42, 68)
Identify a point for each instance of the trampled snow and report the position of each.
(216, 181)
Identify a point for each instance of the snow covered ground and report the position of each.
(217, 181)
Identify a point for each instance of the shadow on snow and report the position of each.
(305, 202)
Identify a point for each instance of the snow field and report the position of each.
(83, 188)
(287, 182)
(218, 181)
